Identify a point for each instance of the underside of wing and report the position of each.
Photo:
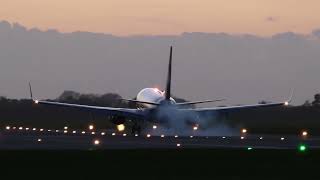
(109, 111)
(234, 108)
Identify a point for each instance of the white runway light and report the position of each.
(27, 129)
(91, 127)
(34, 129)
(282, 138)
(304, 133)
(39, 140)
(41, 130)
(8, 128)
(103, 133)
(154, 127)
(124, 135)
(261, 138)
(195, 128)
(113, 134)
(65, 131)
(93, 133)
(178, 145)
(242, 137)
(74, 132)
(65, 128)
(148, 135)
(20, 128)
(176, 136)
(96, 142)
(136, 135)
(83, 132)
(244, 131)
(162, 136)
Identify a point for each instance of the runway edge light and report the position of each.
(302, 148)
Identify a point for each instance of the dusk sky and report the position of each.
(245, 51)
(123, 17)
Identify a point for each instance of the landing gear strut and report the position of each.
(136, 129)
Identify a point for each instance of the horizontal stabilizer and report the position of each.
(142, 102)
(199, 102)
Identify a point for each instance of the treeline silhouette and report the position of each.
(23, 112)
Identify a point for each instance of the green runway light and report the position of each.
(302, 148)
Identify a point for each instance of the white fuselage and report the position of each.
(152, 95)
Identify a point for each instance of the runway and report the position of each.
(34, 139)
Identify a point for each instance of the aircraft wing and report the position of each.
(235, 108)
(125, 112)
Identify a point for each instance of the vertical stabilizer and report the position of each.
(168, 85)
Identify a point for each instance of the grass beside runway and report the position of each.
(164, 163)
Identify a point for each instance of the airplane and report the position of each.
(159, 107)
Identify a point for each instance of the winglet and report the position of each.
(287, 102)
(31, 95)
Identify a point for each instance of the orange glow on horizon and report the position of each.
(120, 17)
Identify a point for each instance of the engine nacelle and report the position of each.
(117, 120)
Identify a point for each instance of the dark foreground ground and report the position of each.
(160, 164)
(74, 156)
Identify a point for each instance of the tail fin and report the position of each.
(168, 86)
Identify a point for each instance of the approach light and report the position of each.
(83, 132)
(121, 127)
(57, 131)
(223, 137)
(261, 138)
(39, 140)
(191, 136)
(73, 132)
(176, 136)
(178, 145)
(162, 136)
(93, 133)
(282, 138)
(154, 127)
(65, 131)
(302, 147)
(96, 142)
(65, 128)
(148, 135)
(241, 137)
(91, 127)
(27, 129)
(34, 129)
(41, 130)
(136, 135)
(286, 103)
(36, 101)
(249, 148)
(113, 134)
(8, 128)
(20, 128)
(103, 133)
(124, 135)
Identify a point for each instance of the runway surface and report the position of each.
(33, 139)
